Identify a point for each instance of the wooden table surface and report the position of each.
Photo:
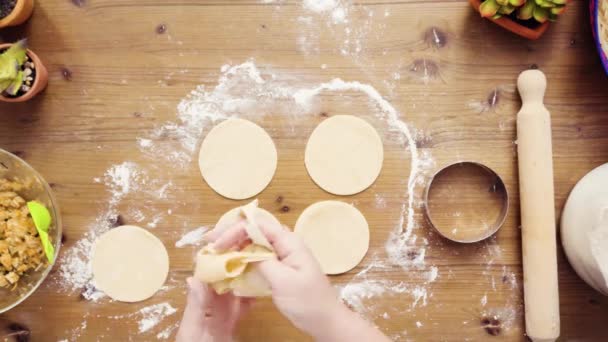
(118, 69)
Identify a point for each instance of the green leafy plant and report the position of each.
(11, 68)
(539, 10)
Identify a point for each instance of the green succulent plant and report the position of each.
(11, 73)
(540, 10)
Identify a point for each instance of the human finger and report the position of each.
(283, 241)
(274, 271)
(246, 304)
(233, 236)
(218, 231)
(195, 312)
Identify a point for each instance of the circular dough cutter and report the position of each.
(466, 202)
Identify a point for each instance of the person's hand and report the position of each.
(300, 290)
(210, 317)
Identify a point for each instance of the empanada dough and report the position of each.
(584, 228)
(344, 155)
(237, 159)
(337, 234)
(129, 264)
(233, 270)
(252, 214)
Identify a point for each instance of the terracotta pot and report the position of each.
(22, 11)
(40, 82)
(514, 26)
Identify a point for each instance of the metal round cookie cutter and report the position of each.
(466, 202)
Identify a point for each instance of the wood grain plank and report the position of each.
(116, 75)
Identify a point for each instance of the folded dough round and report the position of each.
(344, 155)
(233, 271)
(258, 215)
(237, 159)
(129, 264)
(337, 234)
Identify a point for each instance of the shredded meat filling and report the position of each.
(20, 247)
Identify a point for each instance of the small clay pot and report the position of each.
(22, 11)
(515, 27)
(40, 82)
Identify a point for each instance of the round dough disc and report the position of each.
(237, 159)
(129, 264)
(337, 234)
(581, 229)
(233, 215)
(344, 155)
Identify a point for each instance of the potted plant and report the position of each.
(15, 12)
(527, 18)
(22, 74)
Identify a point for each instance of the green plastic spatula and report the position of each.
(42, 221)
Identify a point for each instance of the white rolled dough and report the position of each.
(584, 228)
(129, 264)
(237, 159)
(344, 155)
(337, 234)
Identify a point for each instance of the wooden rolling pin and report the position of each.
(535, 156)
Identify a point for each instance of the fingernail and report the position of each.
(190, 283)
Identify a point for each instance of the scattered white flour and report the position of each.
(380, 201)
(144, 142)
(509, 278)
(162, 192)
(193, 237)
(307, 45)
(319, 6)
(355, 293)
(154, 222)
(244, 90)
(166, 333)
(386, 111)
(135, 214)
(154, 314)
(74, 334)
(401, 246)
(92, 294)
(241, 89)
(121, 179)
(432, 274)
(484, 300)
(358, 294)
(420, 294)
(74, 272)
(150, 316)
(74, 266)
(338, 15)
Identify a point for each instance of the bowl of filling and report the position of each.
(30, 230)
(599, 26)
